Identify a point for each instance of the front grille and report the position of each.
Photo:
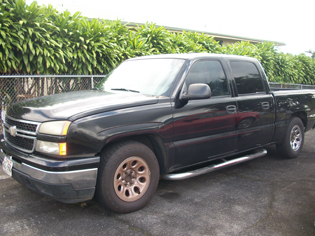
(25, 144)
(21, 125)
(20, 134)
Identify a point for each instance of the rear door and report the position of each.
(256, 109)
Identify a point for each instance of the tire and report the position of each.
(128, 176)
(293, 142)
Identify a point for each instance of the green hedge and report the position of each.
(39, 40)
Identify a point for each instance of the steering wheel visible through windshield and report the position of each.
(146, 76)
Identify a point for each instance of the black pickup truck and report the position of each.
(164, 116)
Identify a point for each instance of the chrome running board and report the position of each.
(208, 169)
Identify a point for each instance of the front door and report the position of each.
(205, 129)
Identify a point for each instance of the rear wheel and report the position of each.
(128, 177)
(292, 144)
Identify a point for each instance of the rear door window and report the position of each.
(247, 77)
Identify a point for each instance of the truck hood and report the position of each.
(74, 105)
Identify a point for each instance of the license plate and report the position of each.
(3, 115)
(7, 166)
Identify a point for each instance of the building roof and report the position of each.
(193, 56)
(217, 36)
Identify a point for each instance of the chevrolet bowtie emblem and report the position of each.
(12, 130)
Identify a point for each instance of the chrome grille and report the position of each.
(25, 144)
(21, 125)
(24, 138)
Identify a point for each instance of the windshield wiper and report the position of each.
(124, 89)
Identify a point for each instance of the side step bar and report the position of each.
(208, 169)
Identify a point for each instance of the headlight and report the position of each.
(55, 127)
(51, 148)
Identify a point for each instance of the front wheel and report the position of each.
(292, 144)
(128, 177)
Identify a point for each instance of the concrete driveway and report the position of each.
(266, 196)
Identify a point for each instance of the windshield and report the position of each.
(147, 76)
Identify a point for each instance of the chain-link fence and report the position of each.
(15, 88)
(19, 87)
(274, 85)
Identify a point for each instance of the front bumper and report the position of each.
(66, 181)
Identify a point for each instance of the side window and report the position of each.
(247, 77)
(210, 73)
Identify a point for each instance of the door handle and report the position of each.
(265, 105)
(231, 109)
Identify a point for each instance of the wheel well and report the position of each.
(302, 115)
(154, 142)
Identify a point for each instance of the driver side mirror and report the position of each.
(195, 92)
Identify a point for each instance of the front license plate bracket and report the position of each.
(7, 165)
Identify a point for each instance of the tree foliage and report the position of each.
(40, 40)
(312, 53)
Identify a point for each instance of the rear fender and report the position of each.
(281, 126)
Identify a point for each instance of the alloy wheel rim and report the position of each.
(295, 138)
(132, 179)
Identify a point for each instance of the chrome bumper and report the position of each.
(79, 179)
(65, 186)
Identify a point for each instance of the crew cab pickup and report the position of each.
(165, 116)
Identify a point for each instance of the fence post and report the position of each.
(92, 82)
